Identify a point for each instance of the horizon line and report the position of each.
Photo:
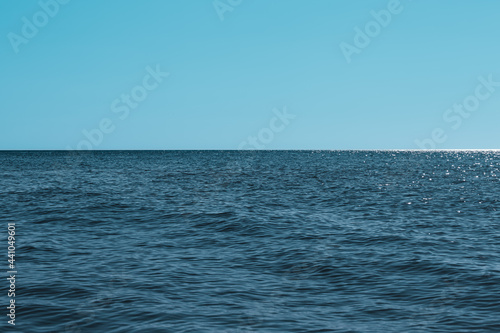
(245, 150)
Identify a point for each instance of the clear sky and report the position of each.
(280, 74)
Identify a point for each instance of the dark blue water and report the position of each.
(309, 241)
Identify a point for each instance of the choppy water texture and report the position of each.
(310, 241)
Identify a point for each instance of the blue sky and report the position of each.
(229, 80)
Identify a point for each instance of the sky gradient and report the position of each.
(249, 74)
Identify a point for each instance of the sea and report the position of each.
(251, 241)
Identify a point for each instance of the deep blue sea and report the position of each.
(267, 241)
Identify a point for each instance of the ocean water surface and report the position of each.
(267, 241)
